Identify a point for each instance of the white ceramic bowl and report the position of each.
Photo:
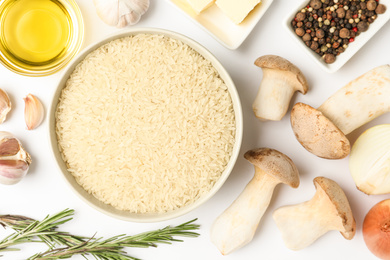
(125, 215)
(352, 47)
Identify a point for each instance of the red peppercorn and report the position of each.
(355, 16)
(355, 29)
(308, 31)
(351, 39)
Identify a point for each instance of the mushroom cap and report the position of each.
(275, 62)
(338, 198)
(274, 163)
(317, 133)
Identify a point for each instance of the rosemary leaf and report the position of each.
(64, 245)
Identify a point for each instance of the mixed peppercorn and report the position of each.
(328, 26)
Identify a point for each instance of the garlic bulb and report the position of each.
(5, 105)
(369, 160)
(121, 13)
(14, 160)
(33, 111)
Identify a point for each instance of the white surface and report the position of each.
(214, 21)
(43, 191)
(353, 47)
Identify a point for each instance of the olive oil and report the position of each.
(35, 32)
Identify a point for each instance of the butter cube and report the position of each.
(237, 10)
(200, 5)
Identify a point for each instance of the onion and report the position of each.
(369, 161)
(376, 230)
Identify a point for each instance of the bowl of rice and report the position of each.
(145, 125)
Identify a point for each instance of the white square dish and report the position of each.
(216, 23)
(352, 47)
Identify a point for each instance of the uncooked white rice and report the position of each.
(145, 124)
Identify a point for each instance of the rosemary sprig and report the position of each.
(30, 230)
(112, 248)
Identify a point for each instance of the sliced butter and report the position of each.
(237, 10)
(200, 5)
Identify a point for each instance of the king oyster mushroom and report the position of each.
(236, 226)
(304, 223)
(281, 79)
(323, 131)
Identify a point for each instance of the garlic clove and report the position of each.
(5, 105)
(12, 171)
(14, 160)
(33, 111)
(121, 13)
(9, 147)
(12, 149)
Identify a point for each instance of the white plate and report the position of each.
(215, 22)
(352, 47)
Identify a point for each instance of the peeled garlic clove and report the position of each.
(369, 161)
(14, 160)
(33, 111)
(121, 13)
(5, 105)
(12, 171)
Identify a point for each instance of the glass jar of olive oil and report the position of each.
(39, 37)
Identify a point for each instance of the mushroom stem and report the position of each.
(236, 226)
(280, 80)
(360, 101)
(274, 95)
(304, 223)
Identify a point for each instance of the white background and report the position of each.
(43, 191)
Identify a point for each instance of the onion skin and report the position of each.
(376, 230)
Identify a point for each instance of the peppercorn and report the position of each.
(320, 33)
(380, 9)
(371, 5)
(300, 32)
(329, 58)
(362, 26)
(328, 26)
(314, 46)
(316, 4)
(335, 45)
(344, 33)
(300, 16)
(306, 37)
(348, 14)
